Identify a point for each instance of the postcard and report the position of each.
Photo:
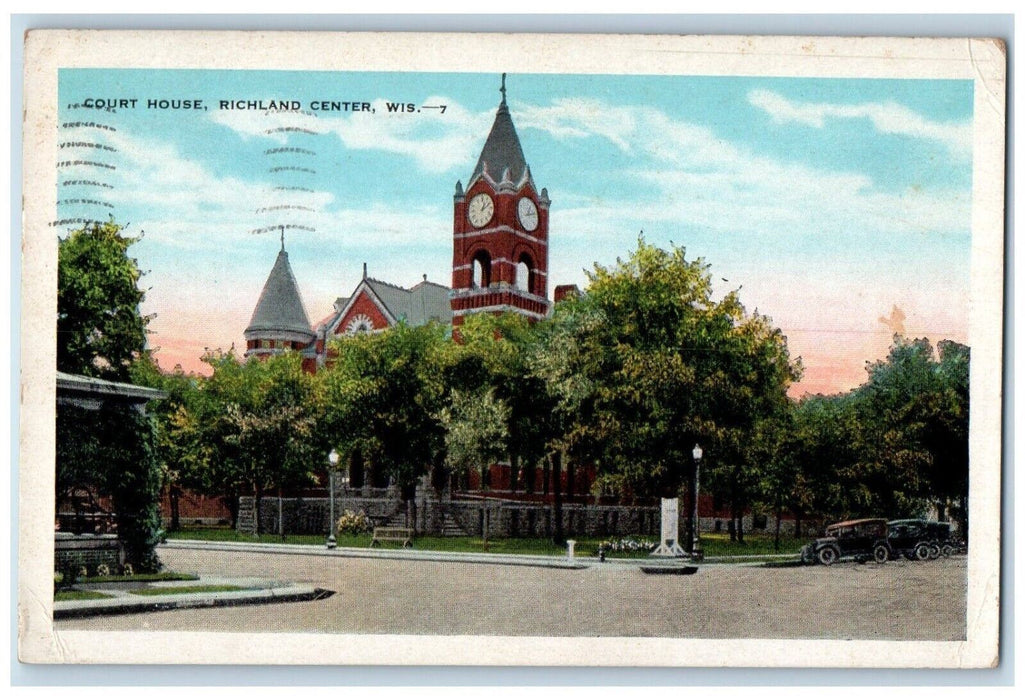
(511, 349)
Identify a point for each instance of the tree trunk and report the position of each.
(779, 517)
(357, 474)
(529, 477)
(557, 492)
(514, 468)
(174, 496)
(546, 472)
(570, 479)
(258, 493)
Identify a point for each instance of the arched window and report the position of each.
(482, 269)
(525, 274)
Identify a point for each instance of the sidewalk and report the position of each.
(121, 600)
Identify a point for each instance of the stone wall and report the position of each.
(504, 518)
(75, 551)
(310, 516)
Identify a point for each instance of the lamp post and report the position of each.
(696, 554)
(332, 464)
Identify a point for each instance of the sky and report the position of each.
(840, 208)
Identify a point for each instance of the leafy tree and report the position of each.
(492, 359)
(110, 449)
(647, 363)
(476, 430)
(383, 396)
(100, 331)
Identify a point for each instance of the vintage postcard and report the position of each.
(498, 349)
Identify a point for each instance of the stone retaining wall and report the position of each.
(310, 516)
(75, 551)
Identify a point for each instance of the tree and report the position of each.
(100, 331)
(647, 363)
(383, 396)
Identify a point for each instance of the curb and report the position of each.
(402, 554)
(171, 601)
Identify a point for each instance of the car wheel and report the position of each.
(881, 553)
(828, 555)
(934, 551)
(921, 551)
(947, 550)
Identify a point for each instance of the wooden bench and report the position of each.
(392, 534)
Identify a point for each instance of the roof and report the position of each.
(502, 156)
(80, 384)
(862, 521)
(280, 307)
(423, 303)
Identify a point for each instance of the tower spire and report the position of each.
(282, 237)
(502, 89)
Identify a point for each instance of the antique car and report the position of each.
(911, 539)
(862, 540)
(941, 540)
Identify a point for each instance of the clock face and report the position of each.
(526, 210)
(481, 210)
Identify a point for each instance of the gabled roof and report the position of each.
(502, 156)
(280, 307)
(425, 302)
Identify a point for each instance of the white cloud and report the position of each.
(886, 117)
(437, 141)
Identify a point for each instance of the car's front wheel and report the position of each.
(880, 553)
(828, 555)
(934, 551)
(922, 551)
(947, 550)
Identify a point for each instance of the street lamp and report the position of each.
(332, 464)
(695, 546)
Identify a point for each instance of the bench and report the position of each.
(392, 534)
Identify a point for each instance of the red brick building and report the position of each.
(499, 263)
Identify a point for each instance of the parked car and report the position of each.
(941, 541)
(863, 540)
(910, 538)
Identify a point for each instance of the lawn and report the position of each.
(178, 590)
(714, 544)
(59, 596)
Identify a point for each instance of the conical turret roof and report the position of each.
(280, 307)
(502, 156)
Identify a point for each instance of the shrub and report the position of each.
(352, 523)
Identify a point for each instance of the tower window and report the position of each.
(481, 269)
(525, 274)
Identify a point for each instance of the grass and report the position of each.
(714, 544)
(143, 578)
(59, 596)
(178, 590)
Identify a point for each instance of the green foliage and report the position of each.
(100, 331)
(476, 429)
(647, 364)
(383, 395)
(892, 446)
(111, 450)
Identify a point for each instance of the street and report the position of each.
(899, 600)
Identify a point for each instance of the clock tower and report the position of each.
(500, 231)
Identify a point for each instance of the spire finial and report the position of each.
(364, 270)
(502, 90)
(282, 238)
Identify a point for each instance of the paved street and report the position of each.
(898, 600)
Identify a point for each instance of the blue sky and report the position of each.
(829, 201)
